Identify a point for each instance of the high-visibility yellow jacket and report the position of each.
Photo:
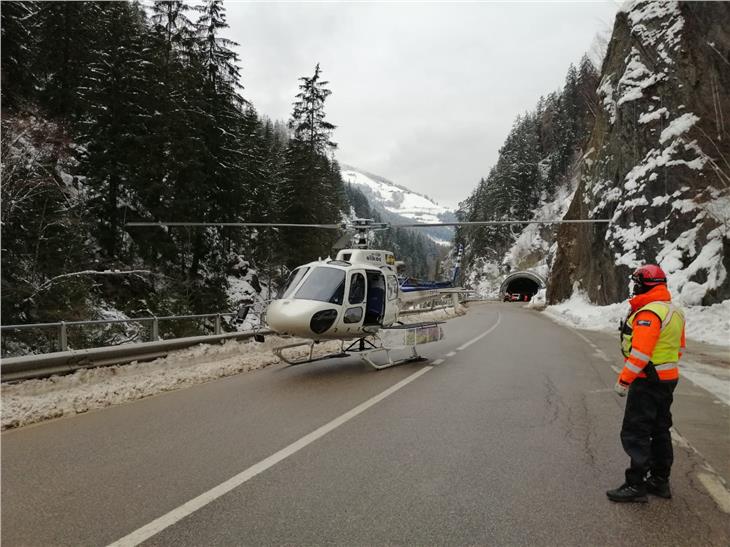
(653, 333)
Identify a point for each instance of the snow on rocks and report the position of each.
(653, 115)
(678, 126)
(657, 24)
(636, 78)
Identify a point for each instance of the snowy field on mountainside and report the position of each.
(398, 200)
(32, 401)
(706, 324)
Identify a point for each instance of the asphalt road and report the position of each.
(510, 440)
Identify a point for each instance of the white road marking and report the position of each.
(717, 490)
(437, 362)
(711, 480)
(451, 354)
(602, 355)
(188, 508)
(482, 335)
(584, 338)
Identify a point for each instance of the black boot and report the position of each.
(628, 493)
(658, 487)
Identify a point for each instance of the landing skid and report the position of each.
(279, 352)
(364, 348)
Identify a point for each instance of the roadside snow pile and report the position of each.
(36, 400)
(578, 312)
(708, 324)
(538, 301)
(33, 401)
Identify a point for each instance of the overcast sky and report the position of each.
(422, 93)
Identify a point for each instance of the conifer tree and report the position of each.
(19, 44)
(316, 190)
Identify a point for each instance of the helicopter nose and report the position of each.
(294, 317)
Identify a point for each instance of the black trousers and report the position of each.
(645, 431)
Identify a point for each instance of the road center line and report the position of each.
(451, 354)
(437, 362)
(482, 335)
(188, 508)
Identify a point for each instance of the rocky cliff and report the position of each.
(658, 160)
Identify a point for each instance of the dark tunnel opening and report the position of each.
(525, 287)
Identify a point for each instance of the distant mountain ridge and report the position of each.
(396, 203)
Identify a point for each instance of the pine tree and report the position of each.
(114, 124)
(19, 47)
(68, 35)
(316, 194)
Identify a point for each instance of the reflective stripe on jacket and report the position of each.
(654, 334)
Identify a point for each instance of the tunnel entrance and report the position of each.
(521, 286)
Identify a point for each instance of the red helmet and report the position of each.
(648, 276)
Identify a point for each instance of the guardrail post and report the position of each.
(218, 323)
(62, 336)
(455, 299)
(155, 329)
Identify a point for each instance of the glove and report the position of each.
(621, 388)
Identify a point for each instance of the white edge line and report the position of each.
(716, 489)
(482, 335)
(170, 518)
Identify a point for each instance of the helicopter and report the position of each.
(356, 297)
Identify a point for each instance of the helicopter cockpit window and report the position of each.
(324, 284)
(357, 289)
(294, 278)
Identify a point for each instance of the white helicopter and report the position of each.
(356, 297)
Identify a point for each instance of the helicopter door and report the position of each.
(355, 308)
(392, 305)
(375, 305)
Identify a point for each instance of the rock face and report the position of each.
(658, 161)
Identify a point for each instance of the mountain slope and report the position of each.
(398, 204)
(657, 161)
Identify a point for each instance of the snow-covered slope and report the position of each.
(399, 203)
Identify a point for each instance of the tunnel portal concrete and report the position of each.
(523, 282)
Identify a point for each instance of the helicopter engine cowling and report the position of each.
(303, 318)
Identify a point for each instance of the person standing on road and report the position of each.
(652, 341)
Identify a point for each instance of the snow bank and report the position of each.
(708, 324)
(37, 400)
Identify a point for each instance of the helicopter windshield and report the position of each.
(324, 284)
(294, 278)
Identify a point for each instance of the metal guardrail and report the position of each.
(155, 330)
(39, 366)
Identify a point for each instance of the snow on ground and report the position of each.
(33, 401)
(707, 324)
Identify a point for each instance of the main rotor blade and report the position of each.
(233, 224)
(497, 222)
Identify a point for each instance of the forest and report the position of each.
(114, 112)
